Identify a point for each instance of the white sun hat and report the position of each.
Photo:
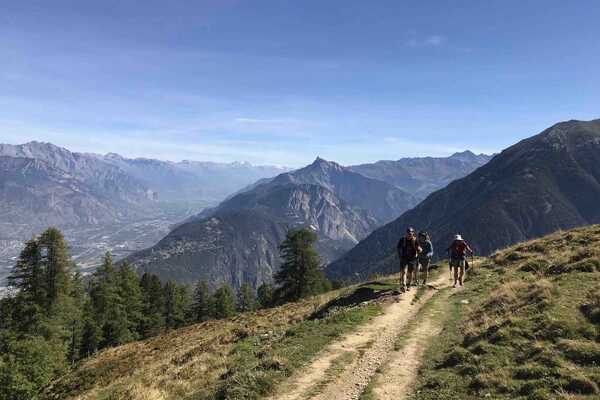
(458, 237)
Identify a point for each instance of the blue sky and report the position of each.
(284, 81)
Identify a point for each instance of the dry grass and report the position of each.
(247, 353)
(172, 365)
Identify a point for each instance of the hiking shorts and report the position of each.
(411, 265)
(458, 263)
(424, 262)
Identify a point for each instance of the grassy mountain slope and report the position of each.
(239, 358)
(547, 182)
(526, 327)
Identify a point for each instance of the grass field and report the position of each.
(526, 327)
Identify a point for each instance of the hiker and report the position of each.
(408, 252)
(425, 255)
(458, 258)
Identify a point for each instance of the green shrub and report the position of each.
(581, 352)
(541, 394)
(532, 371)
(456, 357)
(581, 385)
(531, 387)
(537, 265)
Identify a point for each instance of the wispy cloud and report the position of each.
(435, 40)
(427, 41)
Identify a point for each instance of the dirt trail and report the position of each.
(371, 345)
(396, 380)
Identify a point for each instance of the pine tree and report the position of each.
(108, 305)
(246, 299)
(265, 295)
(177, 302)
(57, 266)
(78, 295)
(130, 293)
(224, 303)
(202, 306)
(27, 276)
(91, 337)
(300, 275)
(39, 323)
(153, 320)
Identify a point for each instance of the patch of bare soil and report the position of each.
(396, 380)
(371, 344)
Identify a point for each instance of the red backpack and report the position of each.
(459, 249)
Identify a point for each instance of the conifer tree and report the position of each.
(224, 302)
(91, 337)
(264, 295)
(108, 305)
(38, 328)
(246, 299)
(27, 276)
(300, 274)
(202, 306)
(130, 293)
(177, 302)
(57, 266)
(153, 320)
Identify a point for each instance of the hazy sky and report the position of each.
(284, 81)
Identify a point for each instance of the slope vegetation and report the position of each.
(525, 326)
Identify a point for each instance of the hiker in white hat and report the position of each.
(458, 258)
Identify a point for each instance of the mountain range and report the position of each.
(238, 240)
(421, 176)
(113, 203)
(548, 182)
(105, 202)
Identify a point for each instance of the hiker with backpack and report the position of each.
(425, 255)
(408, 252)
(458, 258)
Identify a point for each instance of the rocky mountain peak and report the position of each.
(324, 165)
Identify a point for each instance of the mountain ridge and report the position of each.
(541, 184)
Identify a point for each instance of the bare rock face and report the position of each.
(383, 200)
(237, 245)
(548, 182)
(35, 195)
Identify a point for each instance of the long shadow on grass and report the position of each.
(366, 292)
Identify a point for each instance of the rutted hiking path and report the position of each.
(344, 369)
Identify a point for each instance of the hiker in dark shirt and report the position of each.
(408, 252)
(458, 258)
(425, 255)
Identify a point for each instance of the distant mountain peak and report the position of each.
(466, 153)
(324, 164)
